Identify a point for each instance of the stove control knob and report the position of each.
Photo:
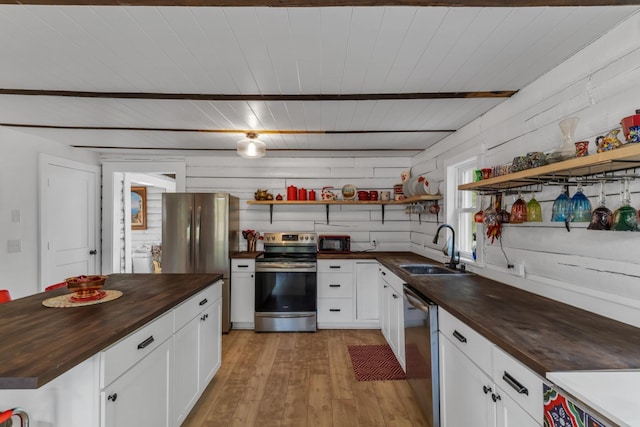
(313, 237)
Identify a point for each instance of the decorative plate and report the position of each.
(348, 192)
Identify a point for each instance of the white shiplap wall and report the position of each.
(241, 177)
(597, 271)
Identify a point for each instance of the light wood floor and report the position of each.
(300, 379)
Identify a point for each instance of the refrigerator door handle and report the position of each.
(197, 237)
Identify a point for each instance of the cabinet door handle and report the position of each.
(334, 286)
(112, 397)
(486, 389)
(394, 296)
(204, 317)
(93, 252)
(495, 397)
(334, 266)
(146, 342)
(243, 266)
(384, 286)
(251, 275)
(515, 384)
(204, 301)
(459, 336)
(334, 309)
(383, 273)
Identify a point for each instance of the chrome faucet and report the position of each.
(452, 262)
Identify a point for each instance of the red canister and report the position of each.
(373, 195)
(302, 194)
(312, 194)
(292, 192)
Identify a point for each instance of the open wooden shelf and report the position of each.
(408, 200)
(568, 171)
(327, 203)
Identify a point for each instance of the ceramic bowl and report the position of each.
(85, 286)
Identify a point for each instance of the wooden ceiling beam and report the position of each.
(261, 97)
(325, 3)
(234, 131)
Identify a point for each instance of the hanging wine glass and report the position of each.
(478, 215)
(601, 217)
(626, 217)
(560, 210)
(534, 211)
(519, 211)
(580, 210)
(490, 215)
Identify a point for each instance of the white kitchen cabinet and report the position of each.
(243, 293)
(335, 293)
(347, 294)
(463, 401)
(142, 395)
(196, 355)
(495, 389)
(136, 377)
(367, 298)
(384, 305)
(392, 320)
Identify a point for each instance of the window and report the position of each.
(464, 208)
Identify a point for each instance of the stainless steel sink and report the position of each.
(424, 269)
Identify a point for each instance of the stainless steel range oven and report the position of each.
(286, 285)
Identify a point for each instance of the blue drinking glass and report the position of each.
(580, 210)
(560, 210)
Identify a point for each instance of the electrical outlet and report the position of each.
(518, 269)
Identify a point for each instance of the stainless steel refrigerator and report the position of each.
(199, 233)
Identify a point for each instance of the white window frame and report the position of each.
(453, 197)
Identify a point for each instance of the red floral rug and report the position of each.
(375, 363)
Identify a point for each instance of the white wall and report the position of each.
(597, 271)
(241, 177)
(19, 272)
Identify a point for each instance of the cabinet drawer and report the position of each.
(519, 382)
(335, 265)
(335, 285)
(122, 355)
(194, 305)
(471, 343)
(391, 279)
(243, 264)
(335, 310)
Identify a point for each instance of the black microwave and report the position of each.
(334, 243)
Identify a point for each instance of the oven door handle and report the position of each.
(287, 267)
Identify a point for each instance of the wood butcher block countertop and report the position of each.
(543, 334)
(41, 343)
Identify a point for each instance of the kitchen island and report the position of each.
(57, 360)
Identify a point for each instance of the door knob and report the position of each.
(93, 252)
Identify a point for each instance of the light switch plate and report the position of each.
(15, 215)
(14, 246)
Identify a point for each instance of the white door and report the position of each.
(68, 215)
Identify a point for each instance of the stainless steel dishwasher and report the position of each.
(421, 352)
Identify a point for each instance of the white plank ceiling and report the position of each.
(275, 51)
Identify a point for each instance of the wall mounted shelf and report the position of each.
(328, 203)
(566, 172)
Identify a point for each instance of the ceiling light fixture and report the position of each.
(251, 147)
